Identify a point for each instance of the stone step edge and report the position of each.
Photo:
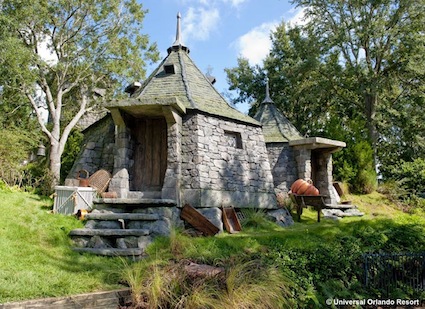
(143, 201)
(123, 216)
(339, 206)
(111, 251)
(109, 232)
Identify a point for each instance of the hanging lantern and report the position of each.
(41, 151)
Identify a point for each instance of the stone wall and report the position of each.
(284, 166)
(224, 163)
(323, 177)
(303, 159)
(324, 173)
(97, 151)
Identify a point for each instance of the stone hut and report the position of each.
(176, 138)
(291, 156)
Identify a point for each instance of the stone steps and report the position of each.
(109, 232)
(111, 251)
(122, 216)
(124, 227)
(339, 206)
(143, 202)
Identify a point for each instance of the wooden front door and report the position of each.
(150, 154)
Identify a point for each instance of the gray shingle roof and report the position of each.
(178, 82)
(188, 85)
(276, 127)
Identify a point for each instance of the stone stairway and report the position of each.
(338, 211)
(124, 227)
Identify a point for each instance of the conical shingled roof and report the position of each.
(178, 79)
(276, 127)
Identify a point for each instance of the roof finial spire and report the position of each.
(267, 99)
(178, 43)
(178, 31)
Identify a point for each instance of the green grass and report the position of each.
(324, 260)
(35, 256)
(319, 259)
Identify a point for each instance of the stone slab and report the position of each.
(109, 232)
(124, 216)
(142, 201)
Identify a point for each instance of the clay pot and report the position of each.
(83, 178)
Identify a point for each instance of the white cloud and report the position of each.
(210, 3)
(299, 18)
(256, 44)
(46, 52)
(199, 23)
(234, 3)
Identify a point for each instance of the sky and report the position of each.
(217, 32)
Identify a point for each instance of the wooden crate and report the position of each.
(198, 221)
(69, 199)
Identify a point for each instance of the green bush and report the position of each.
(38, 178)
(70, 153)
(410, 175)
(15, 149)
(355, 166)
(406, 186)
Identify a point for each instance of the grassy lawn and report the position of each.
(35, 256)
(321, 258)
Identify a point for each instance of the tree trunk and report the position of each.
(55, 162)
(371, 100)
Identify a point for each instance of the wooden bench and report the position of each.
(302, 201)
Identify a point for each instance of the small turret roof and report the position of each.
(276, 127)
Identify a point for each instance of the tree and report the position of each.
(380, 44)
(94, 46)
(354, 72)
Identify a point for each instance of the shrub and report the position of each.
(355, 166)
(70, 153)
(410, 175)
(12, 163)
(20, 167)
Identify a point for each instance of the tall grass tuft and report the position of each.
(245, 285)
(252, 285)
(149, 284)
(134, 275)
(257, 220)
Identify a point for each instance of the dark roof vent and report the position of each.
(169, 68)
(132, 88)
(211, 79)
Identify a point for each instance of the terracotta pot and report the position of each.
(83, 178)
